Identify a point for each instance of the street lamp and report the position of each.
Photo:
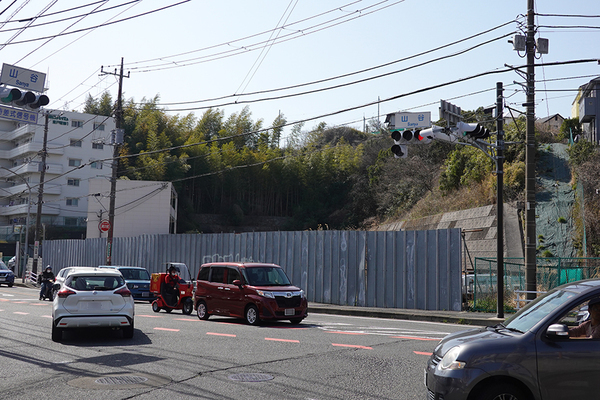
(28, 215)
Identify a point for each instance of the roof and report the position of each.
(94, 271)
(543, 120)
(242, 264)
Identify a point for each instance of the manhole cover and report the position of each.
(121, 380)
(251, 377)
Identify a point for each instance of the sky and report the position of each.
(337, 61)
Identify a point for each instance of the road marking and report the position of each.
(19, 302)
(148, 316)
(352, 345)
(422, 353)
(46, 316)
(40, 304)
(21, 313)
(185, 319)
(167, 329)
(220, 334)
(282, 340)
(414, 338)
(347, 333)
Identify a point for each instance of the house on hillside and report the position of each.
(551, 124)
(586, 107)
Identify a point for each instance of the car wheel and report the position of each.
(188, 306)
(56, 333)
(155, 306)
(251, 315)
(128, 331)
(504, 391)
(296, 321)
(10, 285)
(202, 311)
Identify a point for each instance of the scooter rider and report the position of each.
(171, 294)
(46, 278)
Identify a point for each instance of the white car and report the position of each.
(93, 298)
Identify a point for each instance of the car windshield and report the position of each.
(95, 282)
(531, 314)
(266, 276)
(3, 266)
(132, 274)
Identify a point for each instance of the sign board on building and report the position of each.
(31, 117)
(409, 120)
(22, 78)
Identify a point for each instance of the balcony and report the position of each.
(18, 133)
(28, 148)
(21, 209)
(587, 109)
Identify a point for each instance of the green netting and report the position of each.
(550, 272)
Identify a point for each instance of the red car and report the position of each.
(253, 291)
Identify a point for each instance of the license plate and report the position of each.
(290, 311)
(145, 294)
(2, 279)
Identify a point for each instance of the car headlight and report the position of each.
(302, 294)
(266, 294)
(450, 359)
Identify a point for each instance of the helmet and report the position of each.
(172, 269)
(48, 268)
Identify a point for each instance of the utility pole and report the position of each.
(530, 228)
(499, 197)
(38, 217)
(117, 139)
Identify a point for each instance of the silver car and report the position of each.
(93, 298)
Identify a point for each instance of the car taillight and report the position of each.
(65, 293)
(124, 292)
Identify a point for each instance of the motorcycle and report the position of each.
(164, 300)
(48, 292)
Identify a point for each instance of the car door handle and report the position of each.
(220, 287)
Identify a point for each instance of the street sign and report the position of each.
(17, 114)
(104, 225)
(409, 120)
(22, 78)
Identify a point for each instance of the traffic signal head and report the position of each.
(437, 133)
(399, 151)
(473, 131)
(16, 97)
(404, 136)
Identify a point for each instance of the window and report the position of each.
(217, 274)
(76, 124)
(70, 221)
(98, 146)
(98, 127)
(75, 143)
(74, 163)
(96, 165)
(72, 202)
(73, 182)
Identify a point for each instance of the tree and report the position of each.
(570, 128)
(104, 106)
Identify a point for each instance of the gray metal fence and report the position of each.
(398, 269)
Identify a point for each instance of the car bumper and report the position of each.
(94, 321)
(271, 310)
(7, 279)
(450, 384)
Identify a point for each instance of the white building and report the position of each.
(141, 207)
(77, 150)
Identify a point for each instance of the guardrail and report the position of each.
(524, 299)
(31, 277)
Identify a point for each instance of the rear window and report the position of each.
(95, 282)
(135, 274)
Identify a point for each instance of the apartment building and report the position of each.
(78, 149)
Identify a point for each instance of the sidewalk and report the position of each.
(453, 317)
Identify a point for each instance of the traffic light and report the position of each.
(437, 133)
(399, 149)
(473, 131)
(16, 97)
(405, 136)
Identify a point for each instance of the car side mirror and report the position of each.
(237, 282)
(557, 331)
(56, 286)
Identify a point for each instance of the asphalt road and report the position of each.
(176, 356)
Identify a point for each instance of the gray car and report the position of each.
(530, 356)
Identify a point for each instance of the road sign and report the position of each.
(409, 120)
(104, 225)
(22, 78)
